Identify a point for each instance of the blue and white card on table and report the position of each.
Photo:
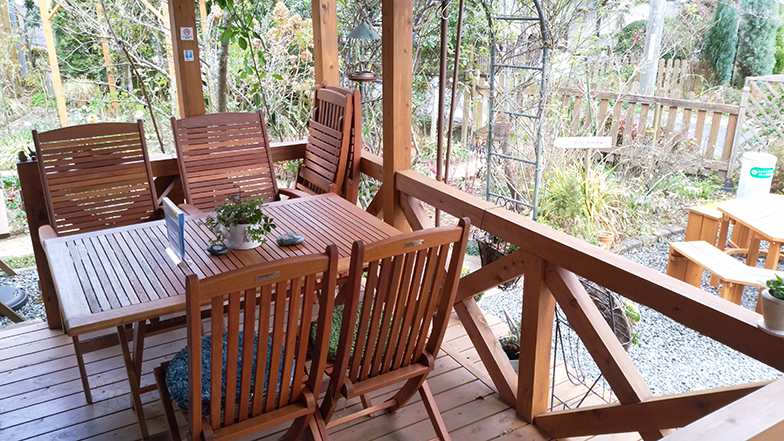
(175, 230)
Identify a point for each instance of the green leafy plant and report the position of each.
(776, 287)
(236, 211)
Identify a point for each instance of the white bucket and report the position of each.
(756, 173)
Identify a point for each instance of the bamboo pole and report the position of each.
(107, 62)
(57, 82)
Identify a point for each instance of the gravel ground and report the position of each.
(671, 357)
(34, 308)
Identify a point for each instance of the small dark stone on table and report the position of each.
(289, 239)
(217, 249)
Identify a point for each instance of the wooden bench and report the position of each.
(688, 259)
(703, 223)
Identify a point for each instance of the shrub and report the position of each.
(756, 39)
(721, 41)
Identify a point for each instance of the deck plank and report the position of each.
(41, 395)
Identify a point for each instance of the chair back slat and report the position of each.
(95, 176)
(260, 325)
(405, 279)
(326, 154)
(350, 190)
(221, 154)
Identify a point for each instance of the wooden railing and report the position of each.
(551, 261)
(649, 121)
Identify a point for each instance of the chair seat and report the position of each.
(177, 373)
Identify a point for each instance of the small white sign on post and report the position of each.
(186, 34)
(175, 230)
(583, 142)
(188, 55)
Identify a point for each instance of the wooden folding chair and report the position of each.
(351, 180)
(221, 154)
(333, 133)
(269, 308)
(94, 176)
(409, 284)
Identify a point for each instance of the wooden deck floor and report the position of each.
(41, 395)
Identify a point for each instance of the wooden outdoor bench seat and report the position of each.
(688, 259)
(703, 224)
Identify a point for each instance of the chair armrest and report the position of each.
(293, 193)
(46, 232)
(190, 210)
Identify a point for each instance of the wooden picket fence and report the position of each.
(637, 123)
(672, 75)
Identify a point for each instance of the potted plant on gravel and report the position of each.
(239, 224)
(772, 299)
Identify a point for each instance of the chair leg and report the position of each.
(432, 410)
(317, 429)
(299, 428)
(163, 391)
(82, 369)
(406, 392)
(732, 292)
(133, 379)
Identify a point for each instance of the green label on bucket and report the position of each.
(762, 173)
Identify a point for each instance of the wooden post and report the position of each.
(533, 383)
(43, 6)
(397, 39)
(325, 41)
(190, 96)
(165, 20)
(6, 24)
(107, 61)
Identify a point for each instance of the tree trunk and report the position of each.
(223, 65)
(653, 35)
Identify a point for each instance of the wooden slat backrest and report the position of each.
(276, 300)
(410, 280)
(351, 181)
(95, 176)
(222, 153)
(326, 154)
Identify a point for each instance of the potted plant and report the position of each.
(492, 248)
(773, 307)
(239, 224)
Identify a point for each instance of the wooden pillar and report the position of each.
(165, 20)
(190, 96)
(325, 41)
(533, 384)
(397, 38)
(107, 60)
(46, 21)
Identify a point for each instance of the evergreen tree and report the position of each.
(757, 39)
(779, 67)
(721, 41)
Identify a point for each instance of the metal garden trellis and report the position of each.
(509, 22)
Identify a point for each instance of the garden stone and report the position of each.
(289, 239)
(648, 240)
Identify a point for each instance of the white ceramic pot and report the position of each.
(239, 238)
(772, 312)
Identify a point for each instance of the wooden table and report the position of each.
(763, 216)
(115, 277)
